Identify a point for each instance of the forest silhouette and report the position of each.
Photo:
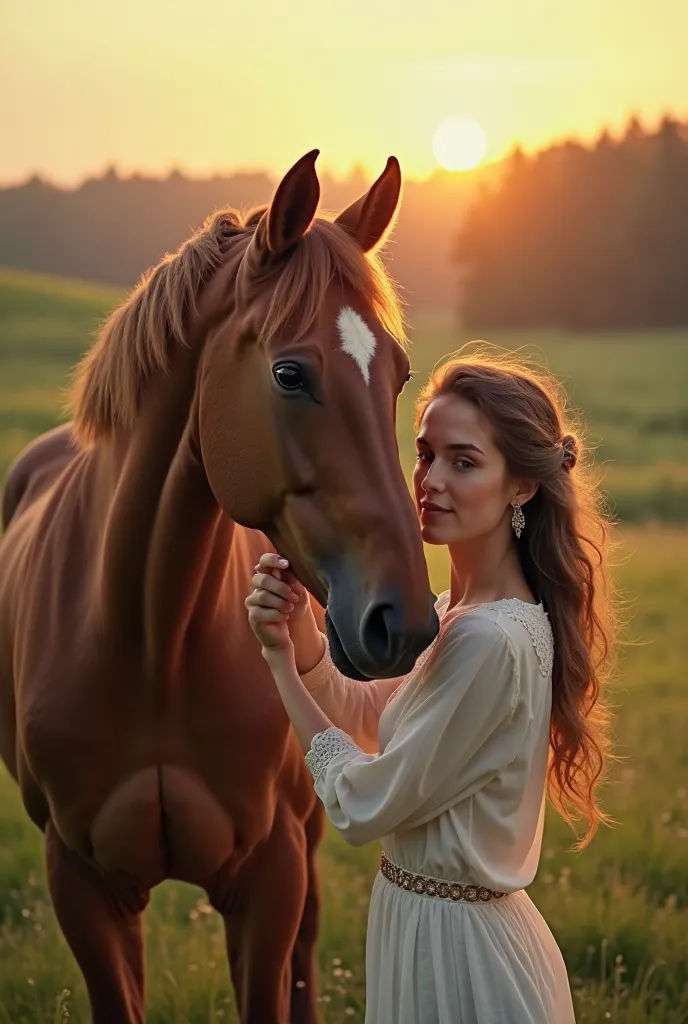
(582, 238)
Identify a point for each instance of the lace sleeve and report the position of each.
(325, 746)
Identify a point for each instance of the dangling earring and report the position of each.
(518, 520)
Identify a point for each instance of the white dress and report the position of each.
(446, 767)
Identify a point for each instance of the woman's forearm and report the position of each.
(306, 717)
(308, 642)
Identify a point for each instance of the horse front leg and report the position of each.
(262, 907)
(103, 927)
(304, 972)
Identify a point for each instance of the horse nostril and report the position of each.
(378, 634)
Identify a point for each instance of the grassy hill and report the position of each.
(630, 387)
(46, 323)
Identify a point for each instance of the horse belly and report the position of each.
(162, 823)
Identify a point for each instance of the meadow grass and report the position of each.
(619, 909)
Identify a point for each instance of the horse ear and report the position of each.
(293, 206)
(371, 217)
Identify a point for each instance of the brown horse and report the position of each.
(248, 384)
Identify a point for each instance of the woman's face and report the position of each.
(460, 482)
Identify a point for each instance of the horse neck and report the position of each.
(166, 542)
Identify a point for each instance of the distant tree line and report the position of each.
(582, 237)
(111, 228)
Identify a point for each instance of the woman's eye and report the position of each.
(465, 464)
(423, 457)
(289, 377)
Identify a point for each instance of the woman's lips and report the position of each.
(432, 511)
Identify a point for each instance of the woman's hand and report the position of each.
(277, 595)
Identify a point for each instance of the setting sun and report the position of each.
(459, 144)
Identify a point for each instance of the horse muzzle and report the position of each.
(378, 634)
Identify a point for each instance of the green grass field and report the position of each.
(619, 909)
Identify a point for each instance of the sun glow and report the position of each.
(459, 144)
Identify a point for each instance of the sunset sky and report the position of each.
(216, 85)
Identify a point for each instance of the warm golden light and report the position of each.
(459, 144)
(526, 81)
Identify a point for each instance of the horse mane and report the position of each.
(139, 337)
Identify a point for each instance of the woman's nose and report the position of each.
(432, 481)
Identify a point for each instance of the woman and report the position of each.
(449, 765)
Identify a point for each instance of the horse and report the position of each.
(241, 398)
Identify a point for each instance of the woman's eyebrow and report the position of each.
(463, 447)
(458, 446)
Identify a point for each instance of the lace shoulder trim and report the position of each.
(532, 616)
(536, 620)
(325, 746)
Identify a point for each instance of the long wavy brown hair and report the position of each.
(563, 553)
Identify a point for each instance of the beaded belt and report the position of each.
(436, 887)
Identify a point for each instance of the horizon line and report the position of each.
(357, 167)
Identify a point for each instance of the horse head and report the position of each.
(297, 399)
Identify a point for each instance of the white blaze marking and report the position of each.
(357, 339)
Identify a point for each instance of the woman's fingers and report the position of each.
(276, 568)
(271, 602)
(260, 598)
(270, 561)
(264, 581)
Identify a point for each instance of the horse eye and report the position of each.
(289, 377)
